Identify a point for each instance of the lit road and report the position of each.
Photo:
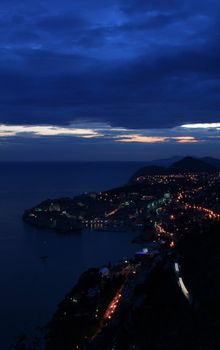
(211, 214)
(181, 283)
(112, 306)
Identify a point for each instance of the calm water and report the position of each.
(31, 288)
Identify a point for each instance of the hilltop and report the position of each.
(184, 165)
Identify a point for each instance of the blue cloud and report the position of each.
(133, 64)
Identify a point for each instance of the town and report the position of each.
(139, 205)
(177, 217)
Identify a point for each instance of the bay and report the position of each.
(31, 288)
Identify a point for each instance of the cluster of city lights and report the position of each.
(161, 231)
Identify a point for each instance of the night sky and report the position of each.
(109, 80)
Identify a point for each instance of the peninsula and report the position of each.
(122, 208)
(168, 293)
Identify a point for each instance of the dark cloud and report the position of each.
(130, 63)
(155, 21)
(132, 7)
(61, 23)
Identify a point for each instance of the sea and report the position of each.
(31, 287)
